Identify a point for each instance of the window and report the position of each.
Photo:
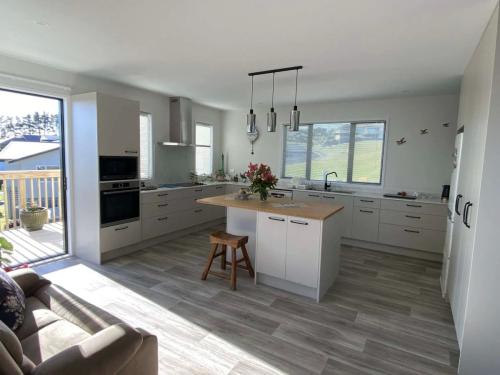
(146, 139)
(352, 149)
(204, 148)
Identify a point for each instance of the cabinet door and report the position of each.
(271, 244)
(365, 224)
(303, 251)
(118, 126)
(118, 236)
(307, 196)
(347, 202)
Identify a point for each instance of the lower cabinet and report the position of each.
(365, 221)
(288, 248)
(411, 237)
(121, 235)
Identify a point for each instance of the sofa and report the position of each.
(63, 334)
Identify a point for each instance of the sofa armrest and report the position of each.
(28, 280)
(106, 352)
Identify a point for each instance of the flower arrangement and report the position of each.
(261, 179)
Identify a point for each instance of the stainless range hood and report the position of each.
(181, 123)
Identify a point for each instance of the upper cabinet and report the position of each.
(118, 126)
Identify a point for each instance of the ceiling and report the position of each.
(350, 49)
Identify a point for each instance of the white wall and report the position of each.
(422, 164)
(481, 339)
(169, 165)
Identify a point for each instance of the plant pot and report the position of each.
(34, 220)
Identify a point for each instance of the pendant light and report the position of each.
(251, 126)
(294, 113)
(271, 115)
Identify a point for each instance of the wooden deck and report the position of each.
(30, 247)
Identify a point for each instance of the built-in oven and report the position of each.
(114, 168)
(119, 202)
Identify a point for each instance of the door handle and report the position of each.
(276, 218)
(131, 152)
(121, 228)
(414, 205)
(467, 207)
(412, 231)
(457, 203)
(299, 222)
(366, 211)
(413, 217)
(163, 205)
(366, 201)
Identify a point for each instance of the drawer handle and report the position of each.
(197, 211)
(366, 211)
(162, 218)
(313, 195)
(299, 222)
(328, 197)
(414, 205)
(163, 205)
(198, 190)
(219, 187)
(412, 231)
(413, 217)
(131, 152)
(162, 195)
(121, 228)
(366, 201)
(276, 218)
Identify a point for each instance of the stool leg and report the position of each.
(233, 268)
(223, 257)
(247, 260)
(209, 262)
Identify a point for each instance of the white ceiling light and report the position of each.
(251, 126)
(294, 113)
(271, 115)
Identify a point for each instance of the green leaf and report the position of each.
(6, 245)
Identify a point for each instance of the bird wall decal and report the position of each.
(401, 141)
(424, 131)
(446, 124)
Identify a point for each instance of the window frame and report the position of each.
(211, 146)
(352, 144)
(150, 148)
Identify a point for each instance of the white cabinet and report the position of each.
(271, 244)
(307, 196)
(303, 251)
(411, 237)
(365, 222)
(347, 202)
(118, 126)
(118, 236)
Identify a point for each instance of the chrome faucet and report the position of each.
(327, 185)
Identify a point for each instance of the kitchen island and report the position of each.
(294, 246)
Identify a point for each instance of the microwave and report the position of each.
(114, 168)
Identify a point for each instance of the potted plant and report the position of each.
(33, 217)
(5, 246)
(261, 179)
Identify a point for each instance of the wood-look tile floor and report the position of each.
(384, 314)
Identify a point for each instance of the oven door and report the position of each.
(119, 206)
(114, 168)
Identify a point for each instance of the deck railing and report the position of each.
(19, 188)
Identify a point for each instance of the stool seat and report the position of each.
(223, 238)
(234, 242)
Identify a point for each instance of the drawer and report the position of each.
(412, 219)
(365, 223)
(307, 196)
(415, 207)
(119, 236)
(160, 225)
(166, 207)
(163, 195)
(214, 190)
(366, 202)
(412, 238)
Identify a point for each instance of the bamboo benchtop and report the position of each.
(309, 210)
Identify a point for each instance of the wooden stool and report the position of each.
(234, 242)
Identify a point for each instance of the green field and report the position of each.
(366, 166)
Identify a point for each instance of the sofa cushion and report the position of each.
(12, 302)
(51, 340)
(11, 344)
(36, 316)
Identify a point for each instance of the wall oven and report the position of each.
(119, 203)
(115, 168)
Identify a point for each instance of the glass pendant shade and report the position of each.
(294, 119)
(251, 127)
(271, 121)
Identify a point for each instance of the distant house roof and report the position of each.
(17, 150)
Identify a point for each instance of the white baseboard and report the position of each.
(157, 240)
(436, 257)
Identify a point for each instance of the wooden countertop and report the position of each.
(309, 210)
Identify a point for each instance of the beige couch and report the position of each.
(63, 334)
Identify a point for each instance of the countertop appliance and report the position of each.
(281, 193)
(453, 203)
(181, 123)
(115, 168)
(120, 202)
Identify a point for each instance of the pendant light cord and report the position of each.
(296, 78)
(251, 96)
(272, 97)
